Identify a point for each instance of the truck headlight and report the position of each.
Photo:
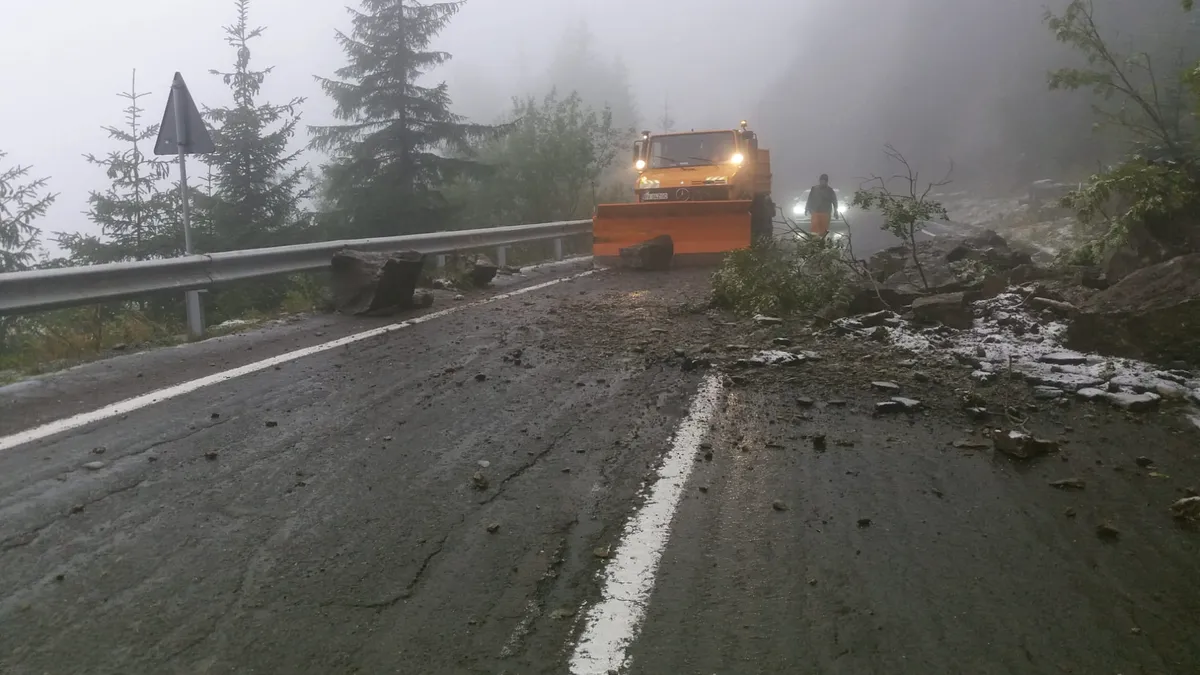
(640, 164)
(797, 210)
(737, 158)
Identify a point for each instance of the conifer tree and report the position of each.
(22, 201)
(135, 215)
(255, 187)
(400, 144)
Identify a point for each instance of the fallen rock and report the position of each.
(1133, 402)
(1044, 393)
(476, 269)
(949, 309)
(493, 528)
(875, 319)
(1153, 315)
(374, 283)
(1071, 382)
(652, 255)
(887, 407)
(1063, 359)
(890, 387)
(1188, 507)
(909, 404)
(479, 481)
(1021, 445)
(1090, 394)
(763, 320)
(1144, 462)
(772, 357)
(1069, 484)
(1107, 531)
(95, 466)
(778, 505)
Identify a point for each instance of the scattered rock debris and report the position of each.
(493, 528)
(95, 466)
(864, 522)
(1108, 531)
(1187, 508)
(1069, 484)
(1021, 445)
(778, 505)
(479, 481)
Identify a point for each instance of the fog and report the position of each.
(825, 84)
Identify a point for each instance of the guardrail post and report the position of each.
(558, 249)
(195, 315)
(501, 256)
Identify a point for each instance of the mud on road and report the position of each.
(823, 537)
(433, 500)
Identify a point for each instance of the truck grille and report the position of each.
(697, 193)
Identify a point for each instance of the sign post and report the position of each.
(183, 133)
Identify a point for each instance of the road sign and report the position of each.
(183, 133)
(194, 138)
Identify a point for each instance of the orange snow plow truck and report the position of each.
(710, 191)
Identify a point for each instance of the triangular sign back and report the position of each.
(194, 137)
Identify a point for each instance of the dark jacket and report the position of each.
(821, 199)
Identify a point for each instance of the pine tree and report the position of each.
(134, 214)
(21, 203)
(255, 188)
(401, 144)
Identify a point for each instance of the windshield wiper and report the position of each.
(706, 160)
(669, 159)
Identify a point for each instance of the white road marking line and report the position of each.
(131, 404)
(614, 622)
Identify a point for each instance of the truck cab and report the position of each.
(715, 165)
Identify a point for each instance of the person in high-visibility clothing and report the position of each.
(822, 202)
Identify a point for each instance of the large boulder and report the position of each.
(654, 254)
(948, 263)
(1153, 314)
(950, 309)
(375, 283)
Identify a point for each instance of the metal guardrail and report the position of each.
(39, 290)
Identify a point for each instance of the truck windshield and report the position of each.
(692, 149)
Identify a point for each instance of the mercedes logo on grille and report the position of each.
(683, 195)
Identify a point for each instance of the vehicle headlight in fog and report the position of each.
(737, 158)
(640, 164)
(798, 210)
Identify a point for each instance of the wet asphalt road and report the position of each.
(432, 501)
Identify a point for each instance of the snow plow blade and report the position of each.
(702, 232)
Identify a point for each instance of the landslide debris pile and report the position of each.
(1064, 330)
